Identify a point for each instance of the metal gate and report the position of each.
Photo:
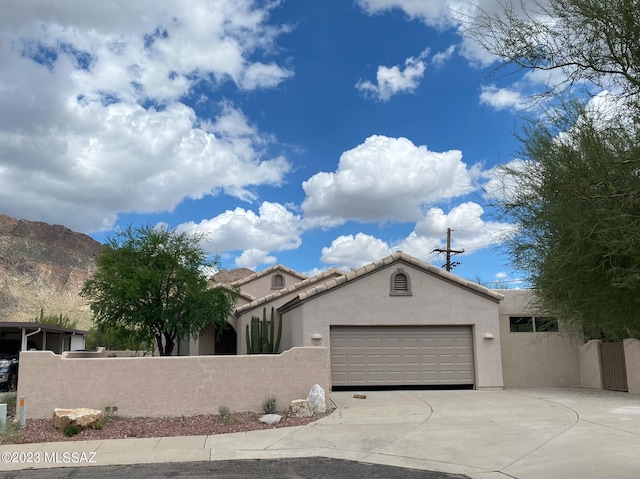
(613, 367)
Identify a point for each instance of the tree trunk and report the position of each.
(169, 343)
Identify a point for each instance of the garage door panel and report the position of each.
(397, 355)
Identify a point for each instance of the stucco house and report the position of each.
(400, 321)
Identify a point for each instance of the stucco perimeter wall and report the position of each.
(632, 359)
(590, 364)
(366, 301)
(169, 386)
(536, 359)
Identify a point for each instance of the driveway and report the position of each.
(522, 434)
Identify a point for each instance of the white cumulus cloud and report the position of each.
(392, 80)
(384, 179)
(350, 251)
(94, 120)
(274, 228)
(443, 14)
(503, 98)
(252, 258)
(471, 231)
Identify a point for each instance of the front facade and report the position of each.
(402, 322)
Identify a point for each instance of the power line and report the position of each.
(448, 265)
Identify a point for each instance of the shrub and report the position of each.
(71, 430)
(225, 415)
(269, 404)
(11, 432)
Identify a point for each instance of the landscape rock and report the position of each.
(271, 418)
(316, 399)
(300, 408)
(81, 417)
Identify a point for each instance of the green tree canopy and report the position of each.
(575, 199)
(591, 42)
(574, 195)
(150, 285)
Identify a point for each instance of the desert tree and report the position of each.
(574, 197)
(150, 286)
(590, 43)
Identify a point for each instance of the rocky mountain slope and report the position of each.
(44, 266)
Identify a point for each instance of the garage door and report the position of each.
(401, 355)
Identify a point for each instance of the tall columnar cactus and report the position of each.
(261, 334)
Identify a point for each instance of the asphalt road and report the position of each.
(300, 468)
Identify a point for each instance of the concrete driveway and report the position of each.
(523, 434)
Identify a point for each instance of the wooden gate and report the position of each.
(613, 367)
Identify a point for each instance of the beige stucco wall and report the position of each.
(286, 342)
(261, 286)
(169, 386)
(590, 364)
(366, 301)
(206, 344)
(632, 360)
(536, 359)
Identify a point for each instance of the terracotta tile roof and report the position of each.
(322, 277)
(266, 271)
(395, 257)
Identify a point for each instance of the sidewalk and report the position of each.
(525, 434)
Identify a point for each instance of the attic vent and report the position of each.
(400, 283)
(277, 281)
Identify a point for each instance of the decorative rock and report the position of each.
(271, 418)
(81, 417)
(300, 408)
(316, 399)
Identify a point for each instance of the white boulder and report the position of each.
(270, 418)
(316, 399)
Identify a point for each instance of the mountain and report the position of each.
(44, 266)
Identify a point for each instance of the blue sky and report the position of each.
(311, 134)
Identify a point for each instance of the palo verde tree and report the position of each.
(574, 196)
(575, 200)
(585, 42)
(150, 286)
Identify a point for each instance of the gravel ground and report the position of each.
(42, 430)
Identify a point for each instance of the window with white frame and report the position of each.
(533, 324)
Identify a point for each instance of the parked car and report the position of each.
(9, 362)
(9, 372)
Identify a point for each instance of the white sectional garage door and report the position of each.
(401, 355)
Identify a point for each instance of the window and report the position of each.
(400, 283)
(277, 281)
(533, 324)
(546, 325)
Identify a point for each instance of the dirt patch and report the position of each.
(42, 430)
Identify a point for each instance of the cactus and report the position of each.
(261, 334)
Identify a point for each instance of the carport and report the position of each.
(22, 336)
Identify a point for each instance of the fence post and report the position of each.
(3, 417)
(23, 412)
